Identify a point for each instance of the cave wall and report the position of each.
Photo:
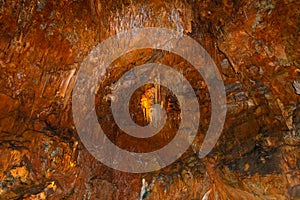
(254, 45)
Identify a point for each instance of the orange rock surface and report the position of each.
(255, 45)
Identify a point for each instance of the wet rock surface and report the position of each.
(255, 45)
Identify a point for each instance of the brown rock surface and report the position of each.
(255, 45)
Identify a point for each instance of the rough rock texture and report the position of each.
(255, 45)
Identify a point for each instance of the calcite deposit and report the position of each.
(255, 46)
